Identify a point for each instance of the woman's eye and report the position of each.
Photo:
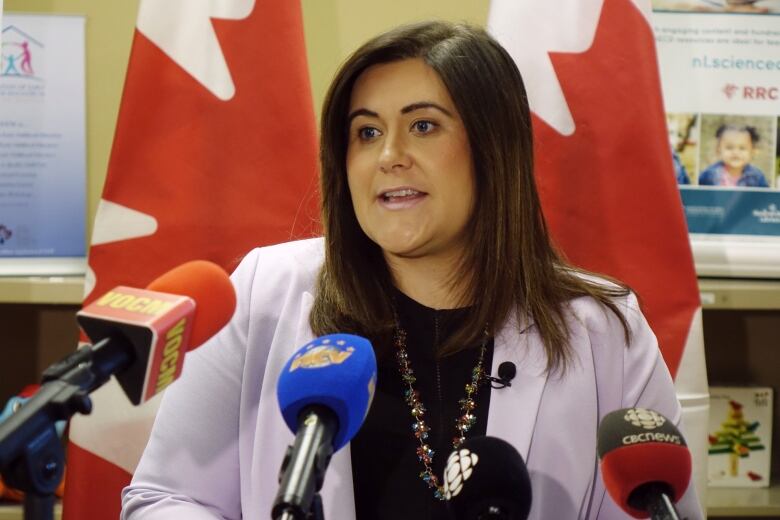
(423, 126)
(367, 133)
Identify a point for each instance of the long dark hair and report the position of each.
(511, 263)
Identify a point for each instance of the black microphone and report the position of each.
(645, 463)
(506, 372)
(486, 479)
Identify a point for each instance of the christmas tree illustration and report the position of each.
(736, 437)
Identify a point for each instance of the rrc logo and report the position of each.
(753, 92)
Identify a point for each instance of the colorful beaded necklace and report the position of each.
(463, 423)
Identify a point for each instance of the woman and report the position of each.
(434, 248)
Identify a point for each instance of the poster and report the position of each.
(720, 71)
(42, 145)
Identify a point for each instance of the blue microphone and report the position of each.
(324, 392)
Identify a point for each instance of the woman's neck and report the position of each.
(427, 281)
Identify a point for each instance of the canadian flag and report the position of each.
(604, 169)
(214, 153)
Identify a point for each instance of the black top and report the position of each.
(385, 468)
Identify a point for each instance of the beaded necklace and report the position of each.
(463, 423)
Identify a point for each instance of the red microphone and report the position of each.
(140, 336)
(156, 326)
(645, 462)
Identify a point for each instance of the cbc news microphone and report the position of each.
(645, 462)
(141, 335)
(324, 392)
(486, 479)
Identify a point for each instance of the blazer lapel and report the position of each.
(513, 409)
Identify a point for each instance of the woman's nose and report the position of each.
(394, 154)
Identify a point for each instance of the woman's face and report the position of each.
(409, 164)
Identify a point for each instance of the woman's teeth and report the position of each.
(398, 194)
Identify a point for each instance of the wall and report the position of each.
(333, 28)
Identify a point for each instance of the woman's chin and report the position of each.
(402, 249)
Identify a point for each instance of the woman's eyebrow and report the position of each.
(361, 112)
(405, 110)
(425, 104)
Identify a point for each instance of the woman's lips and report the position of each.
(401, 198)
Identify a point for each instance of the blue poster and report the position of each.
(42, 145)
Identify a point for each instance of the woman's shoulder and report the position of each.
(293, 249)
(299, 259)
(588, 308)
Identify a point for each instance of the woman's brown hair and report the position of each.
(510, 263)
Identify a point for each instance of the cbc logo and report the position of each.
(460, 465)
(647, 419)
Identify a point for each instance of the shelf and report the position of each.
(716, 293)
(722, 293)
(42, 289)
(14, 512)
(744, 502)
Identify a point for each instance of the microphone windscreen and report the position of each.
(179, 311)
(211, 289)
(337, 371)
(484, 473)
(637, 447)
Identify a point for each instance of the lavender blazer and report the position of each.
(218, 440)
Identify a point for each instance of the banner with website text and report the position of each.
(720, 70)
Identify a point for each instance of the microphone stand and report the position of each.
(653, 497)
(32, 458)
(316, 512)
(300, 481)
(663, 509)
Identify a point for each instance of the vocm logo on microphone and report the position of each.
(174, 338)
(118, 299)
(157, 325)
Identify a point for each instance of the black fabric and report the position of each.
(385, 468)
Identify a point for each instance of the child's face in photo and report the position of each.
(735, 149)
(675, 133)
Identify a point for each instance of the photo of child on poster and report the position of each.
(683, 138)
(737, 151)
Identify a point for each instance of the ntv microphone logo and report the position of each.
(323, 355)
